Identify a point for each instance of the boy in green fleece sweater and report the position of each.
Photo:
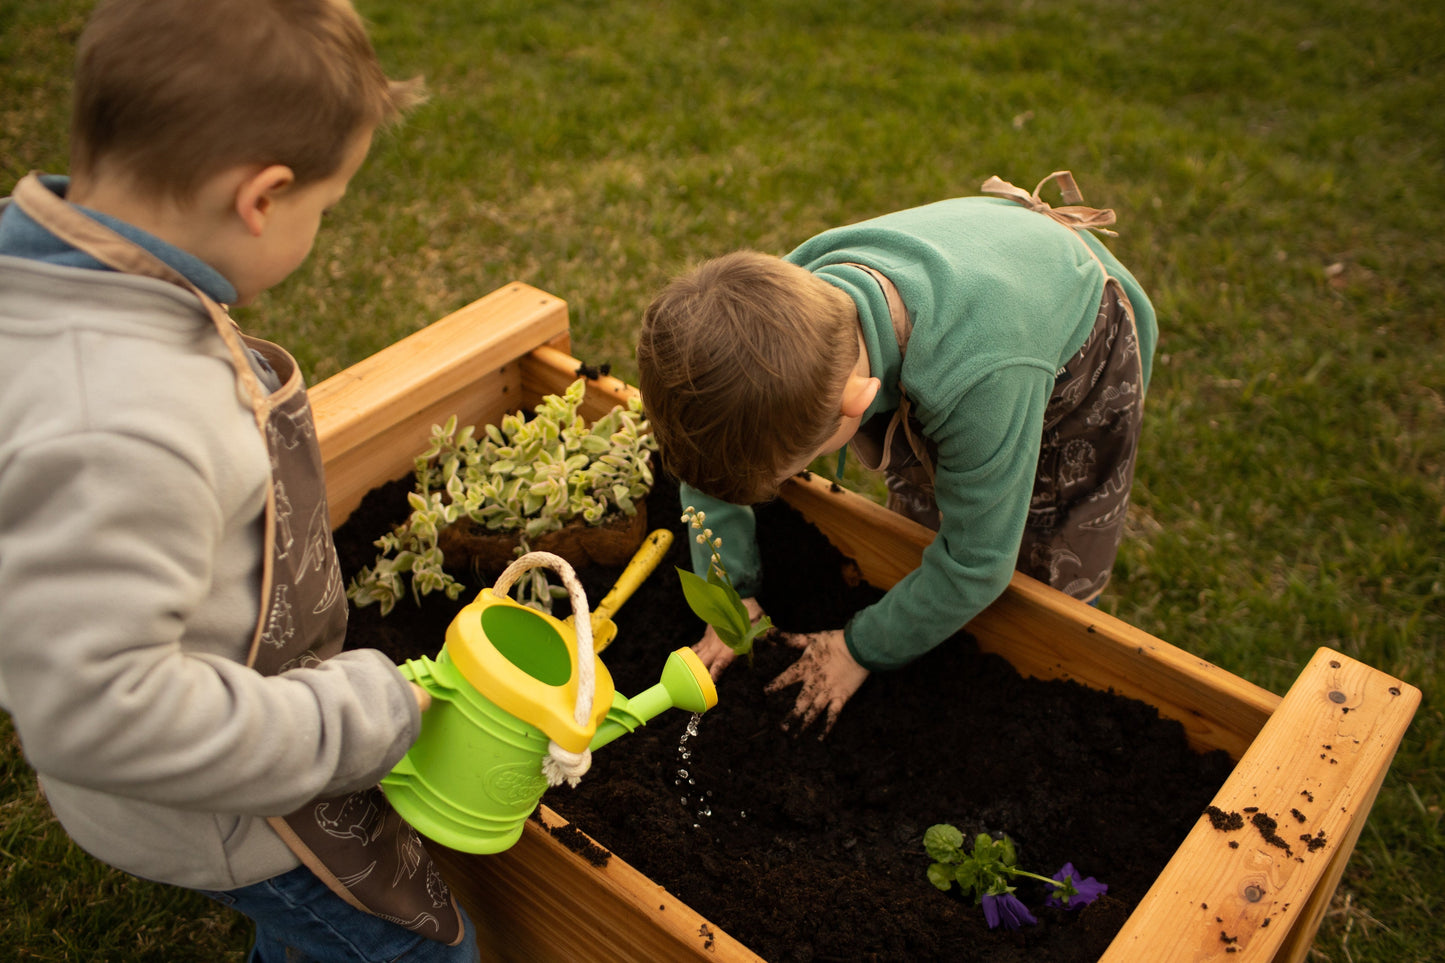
(987, 353)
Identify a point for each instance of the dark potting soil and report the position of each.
(807, 849)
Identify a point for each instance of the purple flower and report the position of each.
(1005, 908)
(1074, 892)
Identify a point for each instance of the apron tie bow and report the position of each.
(1074, 215)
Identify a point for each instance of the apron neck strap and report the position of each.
(1073, 215)
(111, 249)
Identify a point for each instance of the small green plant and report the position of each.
(987, 870)
(528, 476)
(714, 599)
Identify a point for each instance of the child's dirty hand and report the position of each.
(829, 675)
(716, 654)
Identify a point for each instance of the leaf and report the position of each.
(985, 847)
(757, 629)
(944, 843)
(941, 876)
(1006, 852)
(717, 606)
(530, 473)
(970, 878)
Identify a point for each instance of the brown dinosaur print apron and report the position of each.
(356, 844)
(1090, 433)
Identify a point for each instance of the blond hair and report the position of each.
(171, 92)
(742, 364)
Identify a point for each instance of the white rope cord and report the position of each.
(562, 765)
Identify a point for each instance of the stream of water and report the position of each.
(698, 802)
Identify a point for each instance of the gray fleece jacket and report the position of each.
(132, 492)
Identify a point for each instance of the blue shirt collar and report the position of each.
(21, 236)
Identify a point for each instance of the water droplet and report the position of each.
(685, 755)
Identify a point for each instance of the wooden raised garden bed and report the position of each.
(1330, 738)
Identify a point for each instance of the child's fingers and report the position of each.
(813, 702)
(714, 653)
(805, 711)
(811, 698)
(834, 708)
(792, 674)
(829, 677)
(796, 640)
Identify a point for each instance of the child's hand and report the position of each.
(423, 697)
(829, 676)
(716, 654)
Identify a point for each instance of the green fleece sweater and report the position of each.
(1001, 298)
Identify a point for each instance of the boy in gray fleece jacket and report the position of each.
(171, 612)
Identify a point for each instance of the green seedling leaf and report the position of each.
(717, 600)
(943, 843)
(940, 876)
(717, 606)
(987, 870)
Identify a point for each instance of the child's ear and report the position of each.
(858, 394)
(256, 195)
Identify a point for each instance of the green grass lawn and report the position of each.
(1276, 168)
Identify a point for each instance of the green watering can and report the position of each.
(519, 701)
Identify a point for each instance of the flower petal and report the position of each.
(1076, 891)
(1006, 908)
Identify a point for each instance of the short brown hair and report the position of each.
(172, 92)
(742, 364)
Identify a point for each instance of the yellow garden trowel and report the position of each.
(653, 548)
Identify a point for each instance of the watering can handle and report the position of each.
(566, 765)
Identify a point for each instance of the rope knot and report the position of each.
(1073, 215)
(562, 765)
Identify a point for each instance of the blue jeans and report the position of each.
(299, 920)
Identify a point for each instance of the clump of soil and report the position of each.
(810, 850)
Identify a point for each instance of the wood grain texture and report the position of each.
(1302, 792)
(375, 417)
(539, 901)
